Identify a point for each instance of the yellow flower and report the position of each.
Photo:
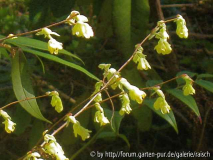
(81, 131)
(163, 47)
(188, 89)
(78, 129)
(181, 30)
(100, 118)
(82, 29)
(125, 104)
(53, 148)
(4, 115)
(54, 46)
(136, 94)
(9, 125)
(143, 64)
(33, 156)
(161, 103)
(56, 101)
(140, 58)
(47, 33)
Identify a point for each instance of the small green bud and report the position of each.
(54, 46)
(161, 104)
(104, 67)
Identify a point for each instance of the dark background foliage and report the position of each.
(118, 25)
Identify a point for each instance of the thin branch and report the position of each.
(113, 108)
(22, 101)
(37, 30)
(177, 5)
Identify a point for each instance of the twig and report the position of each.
(177, 5)
(22, 101)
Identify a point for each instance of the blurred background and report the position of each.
(118, 26)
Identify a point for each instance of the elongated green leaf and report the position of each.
(22, 86)
(169, 117)
(59, 60)
(205, 84)
(206, 75)
(37, 44)
(188, 100)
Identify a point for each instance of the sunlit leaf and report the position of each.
(59, 60)
(22, 86)
(188, 100)
(169, 117)
(205, 84)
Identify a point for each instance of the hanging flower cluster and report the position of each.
(163, 47)
(181, 30)
(9, 125)
(161, 103)
(52, 148)
(80, 28)
(188, 88)
(56, 101)
(53, 45)
(125, 104)
(78, 129)
(99, 115)
(140, 58)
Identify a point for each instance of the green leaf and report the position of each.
(188, 100)
(116, 119)
(206, 75)
(36, 132)
(59, 60)
(22, 86)
(3, 52)
(37, 44)
(169, 117)
(22, 119)
(205, 84)
(144, 117)
(122, 136)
